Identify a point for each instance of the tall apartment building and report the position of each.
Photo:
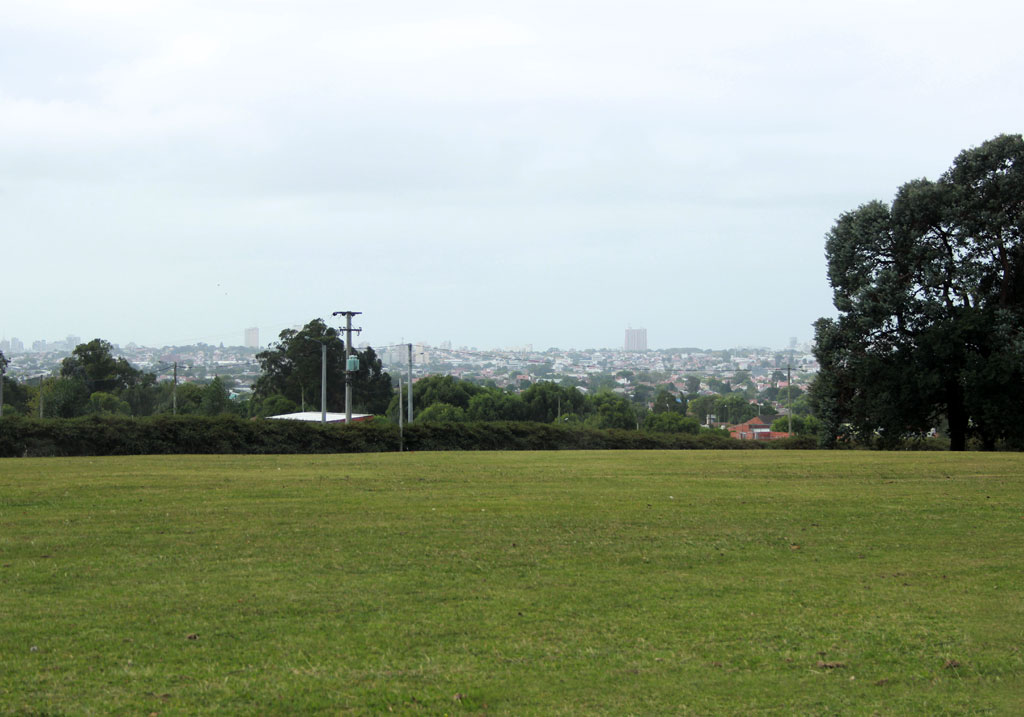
(636, 339)
(252, 337)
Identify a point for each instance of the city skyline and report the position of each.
(636, 340)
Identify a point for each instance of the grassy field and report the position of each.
(747, 582)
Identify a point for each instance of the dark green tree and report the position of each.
(544, 401)
(734, 408)
(495, 405)
(443, 389)
(719, 386)
(63, 397)
(190, 398)
(442, 413)
(671, 423)
(3, 379)
(215, 400)
(666, 401)
(802, 425)
(930, 295)
(643, 394)
(103, 403)
(702, 406)
(292, 367)
(610, 410)
(95, 365)
(275, 405)
(371, 384)
(142, 394)
(16, 397)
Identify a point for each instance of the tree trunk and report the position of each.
(956, 414)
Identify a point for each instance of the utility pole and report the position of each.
(348, 363)
(323, 383)
(401, 437)
(410, 385)
(789, 393)
(174, 392)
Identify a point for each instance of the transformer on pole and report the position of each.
(349, 370)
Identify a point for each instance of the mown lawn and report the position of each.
(746, 582)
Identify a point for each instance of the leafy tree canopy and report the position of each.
(666, 401)
(94, 364)
(930, 295)
(802, 425)
(102, 402)
(442, 413)
(292, 368)
(215, 399)
(671, 423)
(62, 398)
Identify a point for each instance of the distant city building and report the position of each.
(252, 337)
(636, 339)
(17, 346)
(71, 342)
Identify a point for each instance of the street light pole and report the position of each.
(323, 377)
(323, 382)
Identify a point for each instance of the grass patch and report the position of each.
(514, 583)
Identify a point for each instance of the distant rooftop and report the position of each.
(317, 416)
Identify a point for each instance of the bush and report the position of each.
(101, 435)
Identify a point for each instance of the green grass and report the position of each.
(747, 582)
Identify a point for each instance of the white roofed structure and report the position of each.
(317, 417)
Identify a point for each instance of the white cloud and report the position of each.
(538, 157)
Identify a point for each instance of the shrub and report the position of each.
(98, 435)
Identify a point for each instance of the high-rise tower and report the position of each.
(636, 339)
(252, 337)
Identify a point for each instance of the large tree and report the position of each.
(3, 378)
(666, 401)
(930, 295)
(95, 366)
(292, 368)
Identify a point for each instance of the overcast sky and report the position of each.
(489, 173)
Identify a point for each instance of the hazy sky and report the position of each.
(492, 174)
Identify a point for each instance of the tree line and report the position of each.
(446, 399)
(92, 381)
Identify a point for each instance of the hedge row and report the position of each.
(114, 436)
